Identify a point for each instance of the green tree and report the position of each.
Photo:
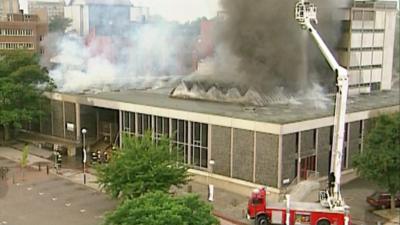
(59, 24)
(22, 83)
(162, 209)
(142, 165)
(380, 160)
(24, 158)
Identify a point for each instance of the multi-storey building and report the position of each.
(258, 145)
(22, 31)
(368, 45)
(7, 7)
(106, 18)
(52, 7)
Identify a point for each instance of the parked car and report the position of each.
(382, 200)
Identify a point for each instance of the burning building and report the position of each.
(254, 136)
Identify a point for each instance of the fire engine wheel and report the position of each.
(323, 222)
(262, 220)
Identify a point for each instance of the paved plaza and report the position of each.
(38, 198)
(35, 197)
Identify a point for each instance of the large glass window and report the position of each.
(128, 123)
(199, 145)
(144, 123)
(179, 139)
(190, 139)
(161, 127)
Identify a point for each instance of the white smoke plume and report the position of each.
(151, 56)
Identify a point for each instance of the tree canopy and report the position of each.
(22, 83)
(380, 160)
(59, 24)
(141, 166)
(162, 209)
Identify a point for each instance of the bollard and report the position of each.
(84, 178)
(40, 168)
(47, 169)
(210, 193)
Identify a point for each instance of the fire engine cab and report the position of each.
(331, 209)
(292, 213)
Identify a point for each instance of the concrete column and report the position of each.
(347, 146)
(153, 122)
(299, 157)
(280, 149)
(231, 175)
(189, 133)
(316, 149)
(78, 121)
(254, 155)
(209, 136)
(120, 128)
(136, 124)
(64, 124)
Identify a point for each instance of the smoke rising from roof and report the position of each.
(261, 46)
(269, 46)
(150, 56)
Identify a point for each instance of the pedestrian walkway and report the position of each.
(228, 206)
(392, 219)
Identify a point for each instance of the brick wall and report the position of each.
(221, 150)
(243, 151)
(289, 156)
(57, 118)
(45, 120)
(267, 159)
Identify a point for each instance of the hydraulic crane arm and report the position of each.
(306, 13)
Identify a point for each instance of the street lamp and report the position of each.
(210, 186)
(84, 131)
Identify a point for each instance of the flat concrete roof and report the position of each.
(274, 113)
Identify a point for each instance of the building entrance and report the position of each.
(307, 166)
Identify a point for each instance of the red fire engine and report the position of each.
(331, 210)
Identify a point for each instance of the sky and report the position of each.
(178, 10)
(182, 10)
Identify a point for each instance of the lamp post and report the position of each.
(210, 186)
(84, 131)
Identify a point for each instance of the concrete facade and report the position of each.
(8, 7)
(368, 43)
(21, 31)
(90, 15)
(52, 8)
(243, 150)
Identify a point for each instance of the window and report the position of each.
(179, 138)
(199, 145)
(161, 127)
(144, 123)
(20, 45)
(363, 15)
(126, 122)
